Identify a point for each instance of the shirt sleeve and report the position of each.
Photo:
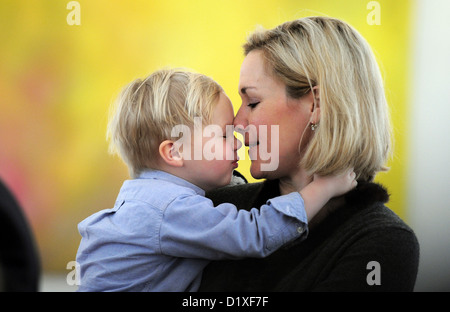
(192, 227)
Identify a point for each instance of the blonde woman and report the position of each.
(317, 79)
(162, 230)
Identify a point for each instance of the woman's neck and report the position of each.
(294, 182)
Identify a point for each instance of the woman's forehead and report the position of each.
(255, 75)
(252, 71)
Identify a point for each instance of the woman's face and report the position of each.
(265, 103)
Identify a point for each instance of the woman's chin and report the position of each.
(255, 171)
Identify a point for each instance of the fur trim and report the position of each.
(237, 179)
(367, 193)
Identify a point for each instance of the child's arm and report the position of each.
(323, 188)
(193, 228)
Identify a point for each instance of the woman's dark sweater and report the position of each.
(361, 246)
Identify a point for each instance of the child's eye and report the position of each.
(252, 105)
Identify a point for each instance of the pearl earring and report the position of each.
(314, 126)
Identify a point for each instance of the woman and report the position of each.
(317, 79)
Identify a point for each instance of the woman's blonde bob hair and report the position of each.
(354, 128)
(147, 110)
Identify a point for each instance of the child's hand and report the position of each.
(339, 184)
(317, 193)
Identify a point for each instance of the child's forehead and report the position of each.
(223, 112)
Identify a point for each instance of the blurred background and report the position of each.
(62, 63)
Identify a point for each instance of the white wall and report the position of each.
(429, 166)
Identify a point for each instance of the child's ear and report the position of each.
(170, 154)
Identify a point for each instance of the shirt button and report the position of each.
(300, 230)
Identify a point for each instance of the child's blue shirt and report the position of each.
(163, 231)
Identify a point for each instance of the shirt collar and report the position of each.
(162, 175)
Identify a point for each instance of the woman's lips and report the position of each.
(234, 163)
(250, 145)
(253, 150)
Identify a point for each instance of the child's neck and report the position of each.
(179, 172)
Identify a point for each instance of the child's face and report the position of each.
(219, 154)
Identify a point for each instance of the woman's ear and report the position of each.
(170, 153)
(315, 107)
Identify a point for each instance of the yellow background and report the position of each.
(57, 82)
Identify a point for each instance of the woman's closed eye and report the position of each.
(253, 104)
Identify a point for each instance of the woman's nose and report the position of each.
(240, 121)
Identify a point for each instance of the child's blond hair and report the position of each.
(147, 110)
